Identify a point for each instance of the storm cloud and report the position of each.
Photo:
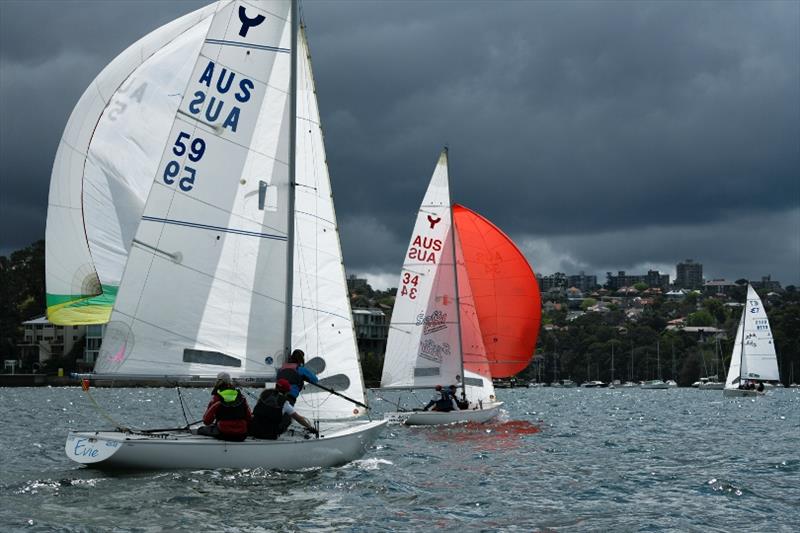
(600, 136)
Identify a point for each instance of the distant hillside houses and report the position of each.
(689, 277)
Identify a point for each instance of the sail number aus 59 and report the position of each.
(196, 148)
(409, 286)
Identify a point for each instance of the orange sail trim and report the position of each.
(504, 290)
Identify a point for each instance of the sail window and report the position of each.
(209, 358)
(267, 196)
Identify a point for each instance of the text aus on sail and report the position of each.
(230, 90)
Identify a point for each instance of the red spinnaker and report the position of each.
(505, 291)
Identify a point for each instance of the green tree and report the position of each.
(716, 309)
(700, 318)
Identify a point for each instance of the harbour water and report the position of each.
(557, 460)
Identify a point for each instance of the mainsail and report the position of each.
(753, 350)
(204, 287)
(422, 348)
(507, 300)
(103, 169)
(125, 140)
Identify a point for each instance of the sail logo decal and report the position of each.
(433, 322)
(119, 356)
(433, 351)
(248, 22)
(424, 249)
(433, 221)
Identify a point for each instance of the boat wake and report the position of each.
(494, 435)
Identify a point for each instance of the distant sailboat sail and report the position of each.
(422, 348)
(103, 169)
(438, 333)
(753, 356)
(506, 294)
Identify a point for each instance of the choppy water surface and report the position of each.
(558, 459)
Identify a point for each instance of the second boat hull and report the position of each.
(435, 418)
(741, 393)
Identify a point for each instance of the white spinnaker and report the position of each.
(322, 319)
(205, 283)
(477, 373)
(422, 348)
(105, 161)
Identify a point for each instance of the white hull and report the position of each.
(177, 450)
(655, 385)
(435, 418)
(741, 393)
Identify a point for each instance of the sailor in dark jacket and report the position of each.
(296, 374)
(274, 413)
(442, 401)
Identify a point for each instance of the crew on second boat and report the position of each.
(442, 401)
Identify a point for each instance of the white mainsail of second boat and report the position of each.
(208, 283)
(434, 328)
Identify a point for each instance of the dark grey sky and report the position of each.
(599, 135)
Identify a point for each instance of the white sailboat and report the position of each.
(434, 328)
(235, 257)
(753, 358)
(658, 384)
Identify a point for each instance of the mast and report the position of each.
(455, 276)
(658, 358)
(287, 334)
(612, 362)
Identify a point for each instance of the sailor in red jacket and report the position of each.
(228, 414)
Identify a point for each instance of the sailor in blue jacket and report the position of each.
(296, 374)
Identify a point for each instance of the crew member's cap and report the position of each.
(283, 385)
(224, 377)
